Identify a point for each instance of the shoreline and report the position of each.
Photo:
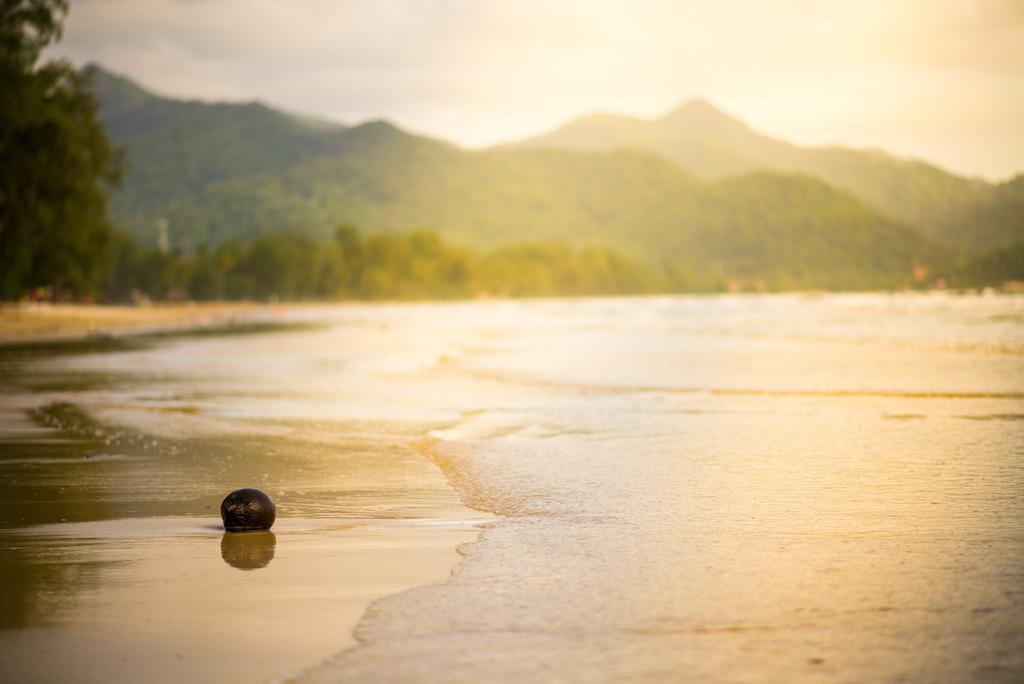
(30, 323)
(46, 322)
(121, 582)
(105, 599)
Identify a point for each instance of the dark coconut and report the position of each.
(247, 509)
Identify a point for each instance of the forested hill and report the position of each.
(711, 144)
(233, 171)
(178, 148)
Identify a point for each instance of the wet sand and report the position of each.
(178, 600)
(25, 322)
(114, 566)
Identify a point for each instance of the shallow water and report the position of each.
(729, 489)
(774, 488)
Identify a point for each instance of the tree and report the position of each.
(56, 159)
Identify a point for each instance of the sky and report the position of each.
(939, 80)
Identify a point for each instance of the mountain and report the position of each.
(712, 144)
(177, 148)
(696, 135)
(233, 171)
(993, 217)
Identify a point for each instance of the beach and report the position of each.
(48, 322)
(115, 563)
(728, 489)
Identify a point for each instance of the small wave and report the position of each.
(455, 462)
(994, 416)
(576, 387)
(595, 389)
(884, 394)
(91, 458)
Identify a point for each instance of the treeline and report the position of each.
(414, 265)
(1000, 267)
(291, 266)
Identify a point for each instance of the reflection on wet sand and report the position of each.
(42, 579)
(248, 550)
(151, 599)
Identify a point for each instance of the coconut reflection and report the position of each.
(248, 550)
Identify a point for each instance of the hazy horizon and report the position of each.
(935, 81)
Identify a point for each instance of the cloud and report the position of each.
(935, 79)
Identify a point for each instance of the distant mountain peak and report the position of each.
(382, 125)
(699, 114)
(378, 130)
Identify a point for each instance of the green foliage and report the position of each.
(415, 265)
(998, 267)
(549, 269)
(145, 270)
(53, 210)
(176, 150)
(993, 218)
(912, 191)
(790, 232)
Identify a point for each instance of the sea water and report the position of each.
(725, 489)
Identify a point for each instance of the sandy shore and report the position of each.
(29, 322)
(113, 563)
(173, 598)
